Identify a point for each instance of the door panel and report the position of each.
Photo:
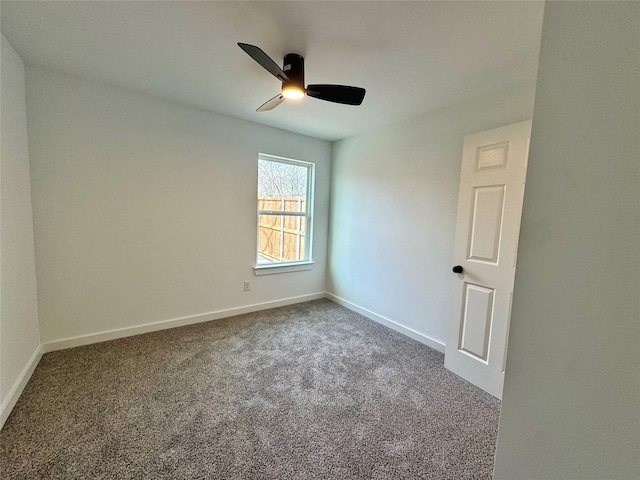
(476, 320)
(486, 223)
(487, 227)
(492, 157)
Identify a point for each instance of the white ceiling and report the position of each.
(412, 57)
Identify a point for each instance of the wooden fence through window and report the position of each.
(281, 238)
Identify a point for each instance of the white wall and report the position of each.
(19, 332)
(394, 194)
(145, 209)
(571, 404)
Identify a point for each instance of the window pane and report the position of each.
(281, 238)
(282, 186)
(286, 204)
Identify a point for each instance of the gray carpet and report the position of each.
(307, 391)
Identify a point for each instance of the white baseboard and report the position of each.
(18, 387)
(173, 323)
(420, 337)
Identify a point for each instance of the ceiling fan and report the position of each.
(292, 78)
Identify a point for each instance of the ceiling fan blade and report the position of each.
(263, 59)
(271, 103)
(337, 93)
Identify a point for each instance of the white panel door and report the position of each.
(494, 165)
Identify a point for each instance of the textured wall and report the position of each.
(19, 331)
(394, 193)
(145, 209)
(571, 399)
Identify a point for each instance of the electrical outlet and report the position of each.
(247, 286)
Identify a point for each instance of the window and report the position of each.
(285, 203)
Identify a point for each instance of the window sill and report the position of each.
(286, 268)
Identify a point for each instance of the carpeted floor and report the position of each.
(308, 391)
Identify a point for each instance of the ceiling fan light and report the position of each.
(293, 93)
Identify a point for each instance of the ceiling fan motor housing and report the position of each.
(294, 68)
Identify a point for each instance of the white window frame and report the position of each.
(297, 265)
